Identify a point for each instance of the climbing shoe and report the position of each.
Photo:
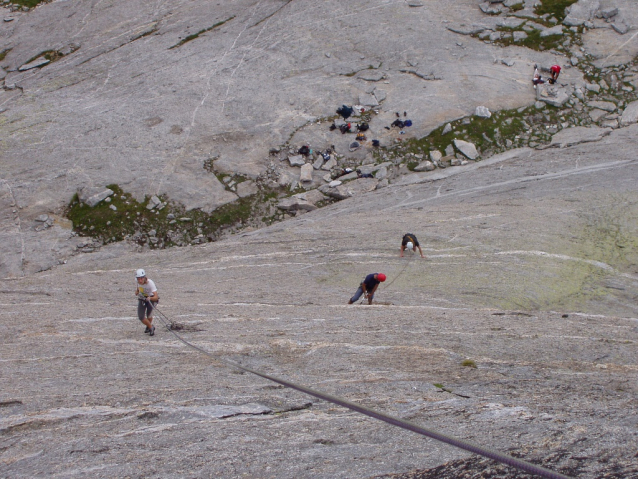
(152, 331)
(147, 330)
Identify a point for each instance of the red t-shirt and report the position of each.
(555, 69)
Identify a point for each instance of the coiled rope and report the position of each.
(495, 455)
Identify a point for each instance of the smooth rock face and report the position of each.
(507, 241)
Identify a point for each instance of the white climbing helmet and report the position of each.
(140, 273)
(410, 245)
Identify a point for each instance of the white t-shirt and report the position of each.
(146, 289)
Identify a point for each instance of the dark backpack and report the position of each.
(304, 150)
(363, 127)
(345, 111)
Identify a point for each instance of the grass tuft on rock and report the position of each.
(468, 363)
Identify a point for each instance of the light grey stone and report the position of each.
(465, 29)
(286, 178)
(352, 188)
(510, 22)
(446, 129)
(511, 3)
(466, 148)
(92, 196)
(593, 87)
(573, 61)
(435, 156)
(581, 12)
(519, 36)
(557, 30)
(306, 173)
(350, 176)
(629, 114)
(293, 203)
(381, 173)
(38, 62)
(602, 105)
(415, 3)
(113, 207)
(297, 160)
(330, 164)
(312, 196)
(556, 98)
(490, 8)
(42, 218)
(318, 162)
(620, 27)
(153, 202)
(371, 75)
(596, 114)
(609, 123)
(425, 166)
(579, 134)
(334, 183)
(482, 112)
(607, 12)
(247, 188)
(449, 150)
(495, 36)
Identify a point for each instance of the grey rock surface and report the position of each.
(528, 277)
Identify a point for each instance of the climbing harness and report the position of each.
(473, 448)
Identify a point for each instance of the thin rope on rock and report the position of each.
(459, 443)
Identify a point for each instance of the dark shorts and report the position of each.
(144, 309)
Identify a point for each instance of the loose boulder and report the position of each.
(352, 188)
(630, 114)
(483, 112)
(91, 196)
(306, 173)
(579, 134)
(466, 148)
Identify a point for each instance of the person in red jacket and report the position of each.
(554, 71)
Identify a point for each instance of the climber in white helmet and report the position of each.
(410, 242)
(147, 297)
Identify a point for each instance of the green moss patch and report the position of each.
(28, 3)
(554, 8)
(171, 225)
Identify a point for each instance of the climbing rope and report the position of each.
(495, 455)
